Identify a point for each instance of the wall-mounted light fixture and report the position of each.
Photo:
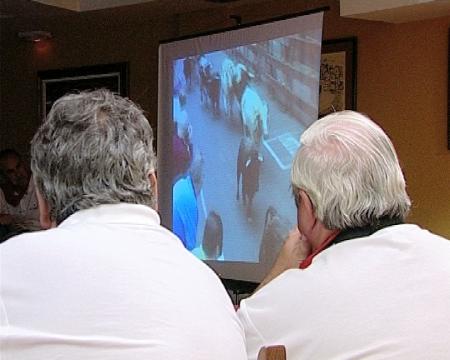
(35, 36)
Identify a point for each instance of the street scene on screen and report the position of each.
(238, 116)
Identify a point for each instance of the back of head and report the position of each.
(213, 236)
(94, 148)
(348, 167)
(196, 171)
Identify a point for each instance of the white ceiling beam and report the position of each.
(65, 4)
(394, 11)
(87, 5)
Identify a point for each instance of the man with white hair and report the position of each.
(106, 280)
(353, 281)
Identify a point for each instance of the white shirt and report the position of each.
(26, 213)
(386, 296)
(111, 283)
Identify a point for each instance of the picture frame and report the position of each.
(448, 95)
(55, 83)
(338, 75)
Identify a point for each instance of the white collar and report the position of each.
(114, 213)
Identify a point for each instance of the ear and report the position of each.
(308, 214)
(154, 186)
(314, 230)
(44, 212)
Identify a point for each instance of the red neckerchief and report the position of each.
(308, 260)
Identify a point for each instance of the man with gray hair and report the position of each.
(353, 281)
(106, 280)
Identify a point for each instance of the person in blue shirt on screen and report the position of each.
(185, 208)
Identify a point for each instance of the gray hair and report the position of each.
(94, 148)
(348, 167)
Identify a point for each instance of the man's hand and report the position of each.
(6, 219)
(295, 249)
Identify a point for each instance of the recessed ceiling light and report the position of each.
(35, 36)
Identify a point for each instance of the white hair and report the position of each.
(348, 167)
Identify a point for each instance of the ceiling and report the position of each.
(394, 11)
(87, 5)
(10, 9)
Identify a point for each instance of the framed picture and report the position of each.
(448, 97)
(55, 83)
(338, 76)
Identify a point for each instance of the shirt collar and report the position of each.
(352, 233)
(364, 231)
(114, 214)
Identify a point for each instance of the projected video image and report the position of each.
(238, 116)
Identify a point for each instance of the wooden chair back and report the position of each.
(273, 352)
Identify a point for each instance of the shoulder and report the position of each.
(26, 239)
(22, 249)
(288, 288)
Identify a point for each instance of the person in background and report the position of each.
(18, 204)
(212, 244)
(185, 199)
(182, 146)
(353, 281)
(106, 280)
